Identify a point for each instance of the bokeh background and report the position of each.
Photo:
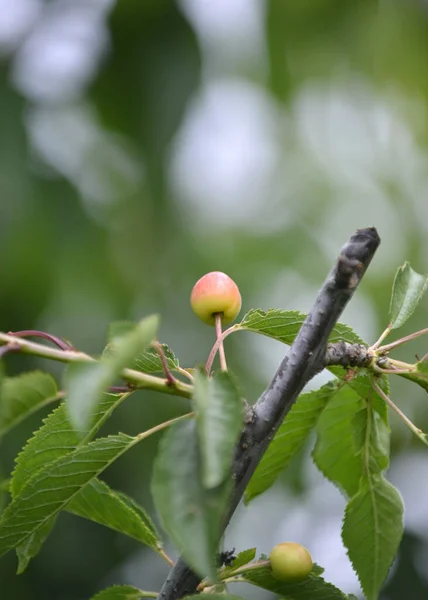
(146, 142)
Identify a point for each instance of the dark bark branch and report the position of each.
(306, 357)
(347, 355)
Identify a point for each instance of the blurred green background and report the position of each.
(146, 142)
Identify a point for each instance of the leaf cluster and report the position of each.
(60, 467)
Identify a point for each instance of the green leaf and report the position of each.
(99, 503)
(21, 396)
(56, 438)
(190, 514)
(341, 431)
(123, 592)
(289, 438)
(407, 291)
(31, 546)
(352, 450)
(5, 486)
(420, 375)
(132, 504)
(363, 386)
(4, 491)
(137, 340)
(285, 325)
(45, 495)
(219, 419)
(147, 361)
(118, 329)
(86, 382)
(372, 531)
(373, 524)
(243, 558)
(340, 436)
(312, 588)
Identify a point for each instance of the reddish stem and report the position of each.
(216, 346)
(403, 340)
(170, 379)
(9, 348)
(61, 343)
(120, 389)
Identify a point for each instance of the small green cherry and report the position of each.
(290, 562)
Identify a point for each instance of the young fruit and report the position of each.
(215, 293)
(290, 562)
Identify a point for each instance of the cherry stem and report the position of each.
(403, 340)
(228, 574)
(185, 373)
(424, 358)
(382, 337)
(399, 364)
(392, 371)
(121, 389)
(216, 346)
(399, 412)
(169, 377)
(61, 343)
(167, 558)
(9, 348)
(218, 329)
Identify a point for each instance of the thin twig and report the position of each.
(120, 389)
(424, 358)
(401, 341)
(217, 344)
(392, 371)
(382, 337)
(137, 379)
(169, 377)
(167, 558)
(164, 425)
(185, 373)
(399, 412)
(9, 348)
(60, 342)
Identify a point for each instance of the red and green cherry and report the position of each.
(216, 294)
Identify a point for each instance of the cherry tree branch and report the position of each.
(306, 357)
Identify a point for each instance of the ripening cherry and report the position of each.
(290, 562)
(216, 294)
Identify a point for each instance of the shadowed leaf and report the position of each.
(86, 381)
(313, 587)
(219, 419)
(21, 396)
(191, 514)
